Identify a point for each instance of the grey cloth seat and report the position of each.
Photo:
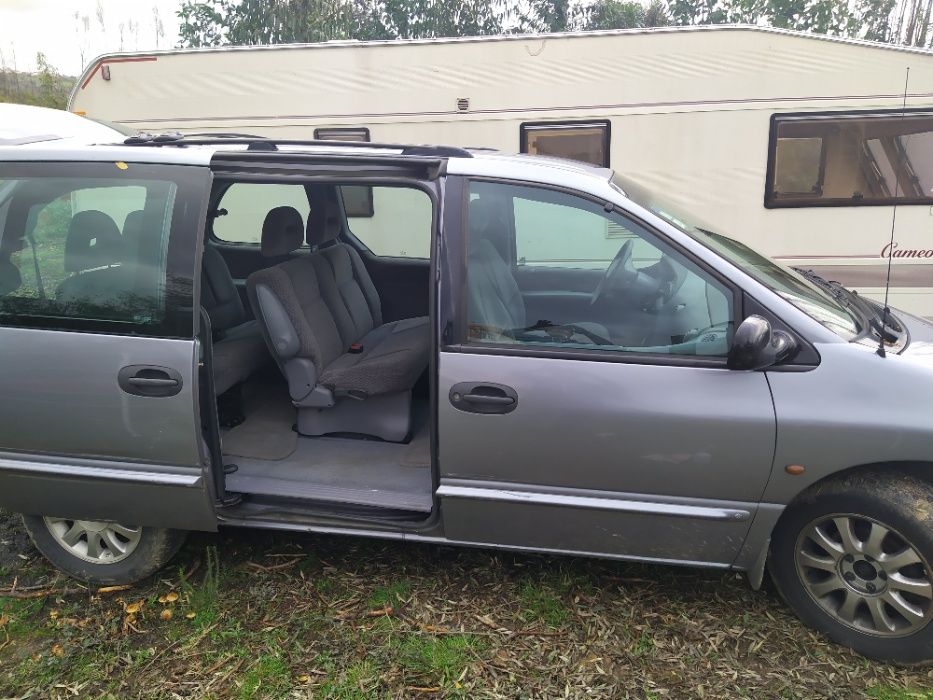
(321, 315)
(239, 349)
(94, 254)
(495, 303)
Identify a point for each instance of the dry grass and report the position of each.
(290, 616)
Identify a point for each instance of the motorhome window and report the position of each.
(85, 249)
(850, 159)
(357, 201)
(400, 226)
(587, 142)
(799, 166)
(244, 206)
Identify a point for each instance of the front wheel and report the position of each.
(100, 552)
(852, 558)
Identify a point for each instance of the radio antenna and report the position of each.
(887, 282)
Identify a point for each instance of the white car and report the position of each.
(22, 124)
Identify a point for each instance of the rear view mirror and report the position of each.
(756, 346)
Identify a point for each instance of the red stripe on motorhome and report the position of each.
(135, 59)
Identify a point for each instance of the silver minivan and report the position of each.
(451, 346)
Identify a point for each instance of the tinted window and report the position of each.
(584, 279)
(851, 159)
(400, 226)
(244, 207)
(95, 251)
(587, 142)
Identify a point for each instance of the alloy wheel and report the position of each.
(865, 574)
(94, 541)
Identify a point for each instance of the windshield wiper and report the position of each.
(848, 299)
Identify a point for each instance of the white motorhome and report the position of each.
(800, 145)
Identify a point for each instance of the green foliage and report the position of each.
(625, 14)
(256, 22)
(440, 660)
(44, 88)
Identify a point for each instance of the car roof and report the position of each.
(29, 125)
(479, 162)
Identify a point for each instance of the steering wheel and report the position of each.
(714, 332)
(621, 267)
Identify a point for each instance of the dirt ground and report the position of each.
(247, 614)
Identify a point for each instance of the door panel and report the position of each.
(98, 361)
(654, 433)
(111, 423)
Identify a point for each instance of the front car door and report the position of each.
(602, 421)
(98, 359)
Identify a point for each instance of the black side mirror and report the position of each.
(756, 346)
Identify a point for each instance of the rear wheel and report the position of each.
(852, 557)
(100, 552)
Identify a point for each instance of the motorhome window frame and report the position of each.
(526, 127)
(829, 117)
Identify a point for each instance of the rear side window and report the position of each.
(587, 142)
(850, 159)
(400, 226)
(95, 251)
(244, 206)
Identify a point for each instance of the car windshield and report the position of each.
(816, 300)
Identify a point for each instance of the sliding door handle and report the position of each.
(483, 397)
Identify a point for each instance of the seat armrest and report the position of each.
(281, 330)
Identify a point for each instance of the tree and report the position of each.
(238, 22)
(624, 14)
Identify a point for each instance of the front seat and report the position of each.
(495, 303)
(239, 349)
(94, 254)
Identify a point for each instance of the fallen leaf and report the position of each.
(113, 589)
(58, 651)
(4, 620)
(53, 614)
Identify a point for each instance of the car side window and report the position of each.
(244, 205)
(399, 225)
(552, 270)
(80, 251)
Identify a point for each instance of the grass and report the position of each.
(299, 617)
(540, 603)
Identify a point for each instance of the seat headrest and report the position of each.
(324, 224)
(488, 223)
(282, 232)
(482, 217)
(133, 226)
(93, 241)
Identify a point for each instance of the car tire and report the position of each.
(851, 557)
(79, 548)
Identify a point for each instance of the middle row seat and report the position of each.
(322, 318)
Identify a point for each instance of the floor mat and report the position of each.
(347, 470)
(267, 431)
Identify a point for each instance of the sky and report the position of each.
(70, 43)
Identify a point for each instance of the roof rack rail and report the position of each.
(262, 143)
